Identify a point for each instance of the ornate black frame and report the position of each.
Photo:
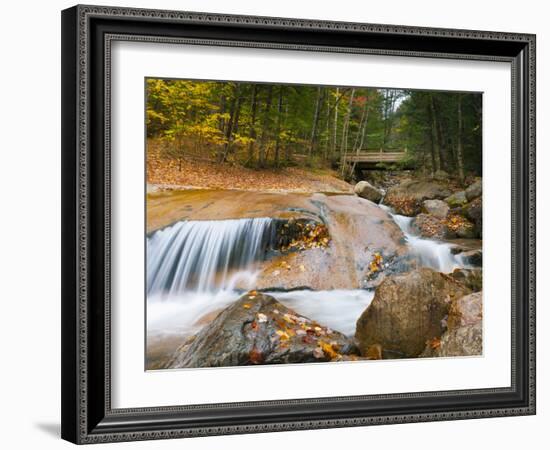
(87, 416)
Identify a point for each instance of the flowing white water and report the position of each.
(194, 266)
(338, 309)
(203, 256)
(431, 253)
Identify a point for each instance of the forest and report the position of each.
(275, 126)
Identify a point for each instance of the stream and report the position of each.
(196, 268)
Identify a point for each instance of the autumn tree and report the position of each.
(265, 125)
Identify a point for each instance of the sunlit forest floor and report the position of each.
(204, 174)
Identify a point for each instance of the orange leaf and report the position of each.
(434, 343)
(255, 356)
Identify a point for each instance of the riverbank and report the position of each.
(199, 174)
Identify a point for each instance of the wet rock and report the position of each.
(462, 341)
(466, 310)
(474, 190)
(471, 278)
(470, 251)
(382, 267)
(358, 230)
(456, 199)
(257, 329)
(407, 197)
(407, 310)
(429, 226)
(464, 245)
(367, 191)
(472, 257)
(436, 208)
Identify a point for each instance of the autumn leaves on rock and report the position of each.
(257, 329)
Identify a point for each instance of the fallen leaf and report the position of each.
(255, 356)
(289, 319)
(328, 350)
(283, 336)
(434, 343)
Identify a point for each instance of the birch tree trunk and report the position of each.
(335, 133)
(313, 139)
(344, 144)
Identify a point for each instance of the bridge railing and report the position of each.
(375, 156)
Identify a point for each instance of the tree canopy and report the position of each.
(273, 125)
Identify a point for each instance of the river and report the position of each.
(195, 268)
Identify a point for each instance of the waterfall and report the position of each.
(431, 253)
(197, 268)
(205, 256)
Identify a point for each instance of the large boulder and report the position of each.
(359, 232)
(474, 190)
(471, 278)
(457, 199)
(367, 191)
(464, 329)
(462, 341)
(436, 208)
(257, 329)
(408, 310)
(466, 310)
(406, 198)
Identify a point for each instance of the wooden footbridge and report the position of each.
(369, 160)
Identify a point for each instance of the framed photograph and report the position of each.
(267, 222)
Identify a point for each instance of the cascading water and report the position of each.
(198, 256)
(431, 253)
(193, 268)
